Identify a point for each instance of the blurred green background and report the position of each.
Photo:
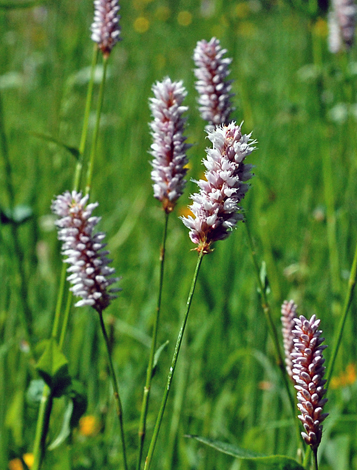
(300, 102)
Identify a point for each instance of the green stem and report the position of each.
(307, 458)
(60, 297)
(315, 460)
(65, 320)
(149, 372)
(273, 333)
(79, 166)
(348, 301)
(173, 366)
(42, 427)
(96, 129)
(118, 404)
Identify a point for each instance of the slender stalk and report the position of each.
(79, 166)
(65, 319)
(273, 333)
(348, 301)
(60, 297)
(149, 372)
(42, 427)
(173, 366)
(96, 129)
(118, 404)
(316, 467)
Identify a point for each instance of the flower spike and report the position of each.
(105, 27)
(288, 313)
(89, 271)
(342, 24)
(308, 372)
(213, 88)
(168, 147)
(215, 207)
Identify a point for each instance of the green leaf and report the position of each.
(17, 216)
(24, 4)
(15, 415)
(276, 462)
(65, 429)
(76, 408)
(34, 392)
(73, 150)
(77, 393)
(53, 368)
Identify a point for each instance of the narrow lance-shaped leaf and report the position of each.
(276, 462)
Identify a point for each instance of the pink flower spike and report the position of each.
(90, 275)
(288, 313)
(308, 372)
(342, 24)
(168, 147)
(215, 207)
(105, 27)
(213, 88)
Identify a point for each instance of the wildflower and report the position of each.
(141, 24)
(342, 23)
(169, 147)
(213, 88)
(308, 372)
(184, 18)
(88, 425)
(288, 313)
(90, 274)
(105, 27)
(16, 464)
(29, 459)
(347, 377)
(215, 207)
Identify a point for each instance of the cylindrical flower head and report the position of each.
(308, 372)
(215, 207)
(90, 274)
(342, 24)
(105, 27)
(168, 147)
(213, 88)
(288, 313)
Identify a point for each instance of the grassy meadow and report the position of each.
(300, 102)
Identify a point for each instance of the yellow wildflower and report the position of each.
(184, 18)
(29, 459)
(321, 28)
(88, 425)
(16, 464)
(141, 24)
(347, 377)
(162, 13)
(242, 10)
